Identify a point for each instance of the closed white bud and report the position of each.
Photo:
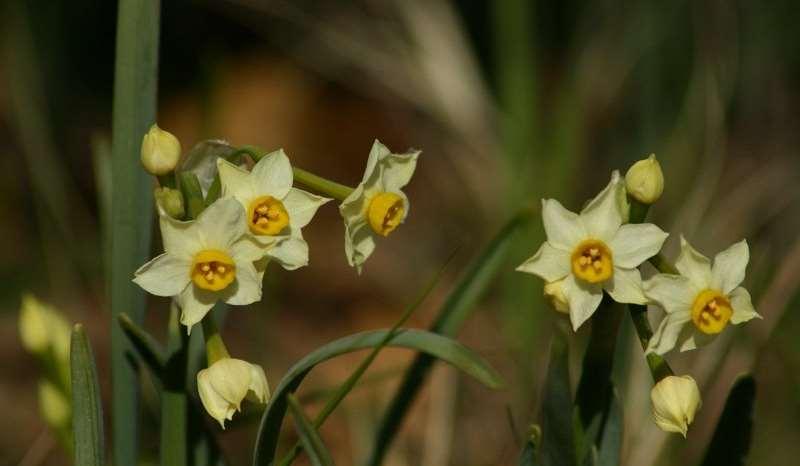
(170, 201)
(161, 151)
(554, 293)
(226, 383)
(675, 401)
(645, 180)
(33, 330)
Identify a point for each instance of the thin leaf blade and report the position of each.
(731, 441)
(87, 420)
(309, 437)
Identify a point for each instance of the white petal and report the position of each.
(376, 153)
(693, 338)
(548, 263)
(564, 229)
(625, 286)
(668, 333)
(247, 249)
(302, 206)
(674, 293)
(729, 266)
(235, 182)
(291, 253)
(221, 224)
(693, 265)
(272, 175)
(635, 243)
(179, 238)
(354, 206)
(258, 391)
(602, 215)
(195, 304)
(247, 287)
(359, 244)
(742, 305)
(397, 170)
(215, 405)
(583, 300)
(165, 275)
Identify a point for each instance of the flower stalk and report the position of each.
(215, 347)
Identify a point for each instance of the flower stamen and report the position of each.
(213, 270)
(592, 261)
(267, 216)
(385, 212)
(711, 311)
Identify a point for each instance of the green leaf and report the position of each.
(438, 346)
(174, 400)
(134, 111)
(147, 348)
(87, 418)
(455, 310)
(731, 441)
(611, 442)
(192, 194)
(528, 455)
(309, 437)
(558, 444)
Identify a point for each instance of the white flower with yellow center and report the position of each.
(226, 383)
(377, 205)
(276, 211)
(593, 251)
(205, 261)
(702, 300)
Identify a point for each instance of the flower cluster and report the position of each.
(253, 217)
(599, 251)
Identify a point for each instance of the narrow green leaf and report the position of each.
(611, 442)
(146, 347)
(134, 110)
(174, 401)
(438, 346)
(558, 444)
(192, 194)
(309, 437)
(731, 441)
(455, 310)
(87, 418)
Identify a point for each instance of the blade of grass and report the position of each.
(147, 348)
(135, 86)
(174, 401)
(87, 418)
(309, 437)
(438, 346)
(731, 441)
(454, 312)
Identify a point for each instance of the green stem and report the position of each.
(663, 265)
(215, 347)
(174, 401)
(192, 194)
(167, 181)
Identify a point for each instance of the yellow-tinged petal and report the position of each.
(225, 384)
(160, 151)
(675, 400)
(644, 181)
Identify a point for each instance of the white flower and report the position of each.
(276, 211)
(226, 383)
(645, 180)
(205, 260)
(593, 251)
(675, 401)
(702, 300)
(377, 205)
(160, 151)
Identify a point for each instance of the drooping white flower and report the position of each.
(377, 205)
(593, 251)
(226, 383)
(276, 212)
(204, 261)
(675, 401)
(160, 151)
(702, 300)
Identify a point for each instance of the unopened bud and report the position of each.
(160, 151)
(170, 201)
(54, 405)
(554, 293)
(645, 180)
(675, 401)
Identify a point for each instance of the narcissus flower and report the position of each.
(377, 205)
(276, 211)
(702, 300)
(205, 260)
(226, 383)
(593, 251)
(160, 151)
(645, 180)
(675, 400)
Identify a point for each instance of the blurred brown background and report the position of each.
(510, 101)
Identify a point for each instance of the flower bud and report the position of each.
(33, 327)
(226, 383)
(554, 293)
(645, 180)
(54, 406)
(170, 201)
(675, 401)
(160, 151)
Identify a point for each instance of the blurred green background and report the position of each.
(510, 101)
